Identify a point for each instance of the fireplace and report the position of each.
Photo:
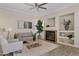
(51, 36)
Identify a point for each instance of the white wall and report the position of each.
(9, 18)
(72, 9)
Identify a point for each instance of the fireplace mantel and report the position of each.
(50, 29)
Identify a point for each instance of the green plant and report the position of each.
(39, 27)
(34, 36)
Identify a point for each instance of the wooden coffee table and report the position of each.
(33, 44)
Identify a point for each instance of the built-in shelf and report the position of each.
(66, 29)
(66, 38)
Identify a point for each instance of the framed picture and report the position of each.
(24, 25)
(51, 22)
(30, 25)
(20, 24)
(66, 22)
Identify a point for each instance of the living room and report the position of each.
(19, 23)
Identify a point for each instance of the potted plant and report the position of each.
(34, 36)
(39, 28)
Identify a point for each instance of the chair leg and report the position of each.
(11, 54)
(5, 54)
(20, 51)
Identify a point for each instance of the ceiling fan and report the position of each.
(37, 6)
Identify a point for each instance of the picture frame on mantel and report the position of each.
(51, 22)
(24, 24)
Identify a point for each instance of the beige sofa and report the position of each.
(26, 36)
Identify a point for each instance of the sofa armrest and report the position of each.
(15, 46)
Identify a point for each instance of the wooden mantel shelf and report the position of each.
(49, 30)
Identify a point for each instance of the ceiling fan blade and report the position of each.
(42, 4)
(28, 4)
(42, 7)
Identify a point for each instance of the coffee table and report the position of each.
(33, 44)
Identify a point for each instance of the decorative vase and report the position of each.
(66, 27)
(34, 38)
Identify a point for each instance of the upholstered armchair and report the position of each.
(10, 46)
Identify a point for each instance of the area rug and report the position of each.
(38, 51)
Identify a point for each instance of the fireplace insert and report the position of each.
(51, 36)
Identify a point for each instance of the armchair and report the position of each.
(10, 46)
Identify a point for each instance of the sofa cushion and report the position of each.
(25, 34)
(28, 34)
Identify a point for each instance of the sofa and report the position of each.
(25, 37)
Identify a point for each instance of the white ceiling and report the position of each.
(51, 7)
